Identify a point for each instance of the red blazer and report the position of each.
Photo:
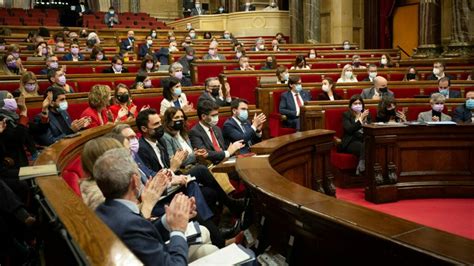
(116, 108)
(94, 115)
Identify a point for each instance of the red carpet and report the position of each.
(451, 215)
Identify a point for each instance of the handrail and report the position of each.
(403, 50)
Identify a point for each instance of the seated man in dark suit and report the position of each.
(247, 6)
(213, 91)
(51, 63)
(238, 127)
(207, 135)
(117, 66)
(378, 90)
(197, 9)
(291, 102)
(438, 71)
(465, 113)
(444, 85)
(54, 113)
(152, 150)
(146, 48)
(372, 73)
(74, 54)
(121, 213)
(128, 43)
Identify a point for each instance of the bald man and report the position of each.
(378, 90)
(213, 53)
(127, 44)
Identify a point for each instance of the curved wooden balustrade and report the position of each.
(97, 242)
(324, 230)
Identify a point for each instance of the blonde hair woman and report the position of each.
(98, 112)
(347, 74)
(436, 113)
(28, 85)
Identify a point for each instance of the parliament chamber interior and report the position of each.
(246, 132)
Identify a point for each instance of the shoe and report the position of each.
(237, 206)
(230, 232)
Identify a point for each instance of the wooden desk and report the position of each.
(324, 230)
(419, 161)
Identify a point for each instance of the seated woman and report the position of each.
(300, 63)
(99, 98)
(10, 65)
(353, 136)
(124, 108)
(270, 63)
(173, 96)
(282, 75)
(142, 81)
(387, 111)
(328, 93)
(43, 50)
(411, 75)
(436, 113)
(28, 85)
(347, 75)
(98, 54)
(385, 61)
(149, 64)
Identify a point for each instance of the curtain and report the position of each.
(386, 8)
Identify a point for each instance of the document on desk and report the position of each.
(28, 172)
(441, 123)
(231, 255)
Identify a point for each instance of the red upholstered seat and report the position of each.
(193, 98)
(86, 85)
(72, 173)
(413, 111)
(311, 78)
(396, 76)
(274, 121)
(35, 69)
(334, 77)
(153, 102)
(244, 87)
(429, 91)
(207, 71)
(343, 161)
(75, 110)
(405, 92)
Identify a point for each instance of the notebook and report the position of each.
(28, 172)
(231, 255)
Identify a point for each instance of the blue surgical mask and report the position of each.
(63, 106)
(177, 92)
(470, 104)
(445, 92)
(243, 115)
(299, 87)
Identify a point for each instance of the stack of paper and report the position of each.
(231, 255)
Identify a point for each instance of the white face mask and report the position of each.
(347, 46)
(214, 120)
(383, 61)
(372, 74)
(149, 42)
(436, 71)
(312, 56)
(325, 87)
(348, 74)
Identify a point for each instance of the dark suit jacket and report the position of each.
(55, 130)
(144, 50)
(433, 77)
(68, 57)
(186, 65)
(144, 238)
(233, 132)
(111, 71)
(44, 71)
(195, 12)
(200, 140)
(125, 43)
(462, 114)
(288, 108)
(351, 130)
(207, 96)
(251, 8)
(453, 94)
(148, 156)
(323, 96)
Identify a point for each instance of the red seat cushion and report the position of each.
(243, 87)
(72, 173)
(75, 110)
(343, 161)
(153, 102)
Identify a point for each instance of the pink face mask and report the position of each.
(212, 52)
(10, 105)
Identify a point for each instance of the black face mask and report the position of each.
(215, 92)
(178, 125)
(132, 39)
(411, 76)
(269, 64)
(123, 98)
(356, 64)
(383, 90)
(391, 112)
(157, 133)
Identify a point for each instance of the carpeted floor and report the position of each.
(452, 215)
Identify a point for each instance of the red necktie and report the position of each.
(298, 101)
(214, 140)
